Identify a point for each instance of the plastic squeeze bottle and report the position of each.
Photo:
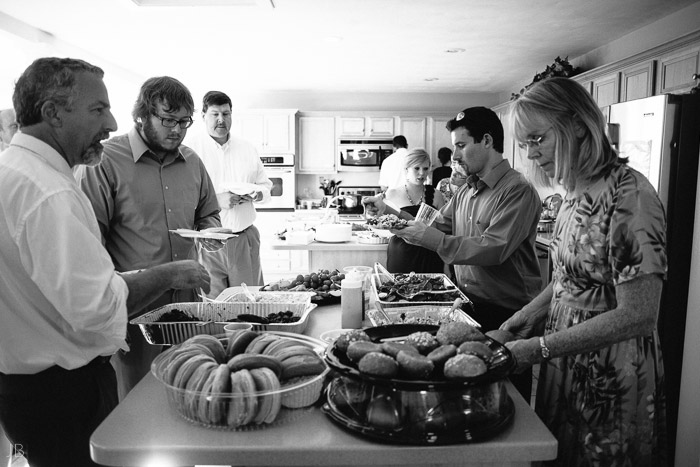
(351, 300)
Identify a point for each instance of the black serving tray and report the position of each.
(498, 368)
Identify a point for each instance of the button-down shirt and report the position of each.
(234, 165)
(61, 301)
(138, 200)
(493, 228)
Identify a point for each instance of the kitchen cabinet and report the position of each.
(438, 136)
(277, 264)
(414, 129)
(271, 131)
(365, 126)
(637, 81)
(676, 69)
(317, 145)
(606, 89)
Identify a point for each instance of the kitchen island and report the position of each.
(337, 255)
(143, 430)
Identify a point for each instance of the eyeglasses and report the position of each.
(533, 141)
(172, 123)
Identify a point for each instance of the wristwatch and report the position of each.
(544, 349)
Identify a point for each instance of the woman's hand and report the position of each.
(524, 325)
(526, 353)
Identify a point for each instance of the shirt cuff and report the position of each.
(432, 238)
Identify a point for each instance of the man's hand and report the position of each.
(211, 244)
(374, 205)
(188, 274)
(227, 200)
(412, 233)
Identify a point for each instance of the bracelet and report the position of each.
(544, 350)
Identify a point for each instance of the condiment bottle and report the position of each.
(351, 300)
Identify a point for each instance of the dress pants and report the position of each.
(490, 317)
(49, 416)
(240, 258)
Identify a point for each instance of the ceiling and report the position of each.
(334, 45)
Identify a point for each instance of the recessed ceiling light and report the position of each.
(431, 79)
(456, 50)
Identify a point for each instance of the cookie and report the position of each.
(414, 366)
(423, 341)
(378, 364)
(458, 332)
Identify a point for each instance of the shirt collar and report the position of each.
(139, 146)
(42, 150)
(496, 173)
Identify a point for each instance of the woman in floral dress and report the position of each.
(593, 329)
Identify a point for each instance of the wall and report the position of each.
(659, 32)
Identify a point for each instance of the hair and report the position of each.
(47, 79)
(479, 121)
(582, 150)
(416, 156)
(169, 91)
(215, 98)
(444, 155)
(400, 141)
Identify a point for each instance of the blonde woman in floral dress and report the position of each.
(600, 389)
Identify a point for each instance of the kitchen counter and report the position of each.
(144, 429)
(337, 255)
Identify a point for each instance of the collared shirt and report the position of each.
(393, 173)
(492, 243)
(232, 165)
(137, 201)
(61, 301)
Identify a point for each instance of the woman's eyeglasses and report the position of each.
(172, 123)
(533, 141)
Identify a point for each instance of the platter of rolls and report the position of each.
(243, 382)
(419, 384)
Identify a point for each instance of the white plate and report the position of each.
(187, 233)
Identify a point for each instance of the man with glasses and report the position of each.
(488, 231)
(147, 185)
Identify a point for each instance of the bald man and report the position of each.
(8, 127)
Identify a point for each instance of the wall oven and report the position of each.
(280, 170)
(362, 155)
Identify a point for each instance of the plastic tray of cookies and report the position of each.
(386, 300)
(161, 327)
(247, 402)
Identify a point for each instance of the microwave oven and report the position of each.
(362, 155)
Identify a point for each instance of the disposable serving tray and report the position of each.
(213, 317)
(437, 299)
(421, 314)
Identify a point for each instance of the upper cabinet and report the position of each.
(438, 136)
(637, 81)
(413, 128)
(365, 126)
(606, 89)
(317, 145)
(676, 69)
(271, 131)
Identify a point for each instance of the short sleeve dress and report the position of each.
(404, 257)
(605, 407)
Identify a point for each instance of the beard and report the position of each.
(153, 139)
(92, 155)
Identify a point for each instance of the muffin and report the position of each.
(478, 349)
(464, 366)
(423, 341)
(458, 332)
(378, 364)
(345, 339)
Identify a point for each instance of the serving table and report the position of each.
(337, 255)
(143, 430)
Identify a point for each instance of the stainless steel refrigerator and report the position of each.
(661, 137)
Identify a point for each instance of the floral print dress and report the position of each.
(606, 407)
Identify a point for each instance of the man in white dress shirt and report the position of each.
(392, 173)
(239, 181)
